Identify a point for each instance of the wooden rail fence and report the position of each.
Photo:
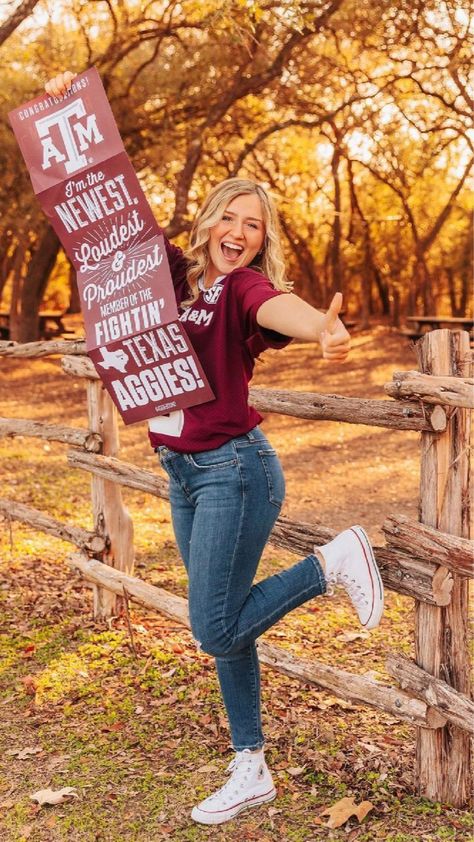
(430, 560)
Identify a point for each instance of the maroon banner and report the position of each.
(89, 191)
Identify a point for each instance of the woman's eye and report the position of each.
(253, 225)
(226, 218)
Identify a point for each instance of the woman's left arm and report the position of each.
(290, 315)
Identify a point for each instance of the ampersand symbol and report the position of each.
(118, 261)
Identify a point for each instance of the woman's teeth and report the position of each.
(231, 251)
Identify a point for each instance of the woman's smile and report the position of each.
(231, 251)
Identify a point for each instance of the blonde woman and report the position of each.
(226, 483)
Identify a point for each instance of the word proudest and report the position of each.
(136, 268)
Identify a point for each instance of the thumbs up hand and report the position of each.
(334, 338)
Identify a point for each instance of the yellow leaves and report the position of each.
(342, 810)
(62, 675)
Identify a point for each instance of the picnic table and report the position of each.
(50, 324)
(419, 325)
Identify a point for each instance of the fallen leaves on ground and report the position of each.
(342, 810)
(135, 731)
(54, 796)
(23, 753)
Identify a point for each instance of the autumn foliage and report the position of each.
(356, 114)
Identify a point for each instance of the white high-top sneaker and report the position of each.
(250, 784)
(350, 563)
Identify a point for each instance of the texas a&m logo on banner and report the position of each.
(62, 136)
(76, 136)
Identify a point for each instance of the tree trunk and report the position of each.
(74, 299)
(423, 281)
(310, 288)
(449, 273)
(335, 247)
(9, 255)
(30, 287)
(383, 291)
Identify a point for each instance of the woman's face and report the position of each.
(237, 238)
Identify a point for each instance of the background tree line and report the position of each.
(357, 114)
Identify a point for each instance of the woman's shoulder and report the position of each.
(248, 276)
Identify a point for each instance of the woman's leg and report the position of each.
(227, 504)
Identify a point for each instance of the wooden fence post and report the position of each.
(111, 518)
(441, 634)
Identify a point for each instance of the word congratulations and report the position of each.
(50, 101)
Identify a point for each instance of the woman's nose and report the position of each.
(237, 228)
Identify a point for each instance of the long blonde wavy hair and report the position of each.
(269, 261)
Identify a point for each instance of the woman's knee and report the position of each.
(213, 640)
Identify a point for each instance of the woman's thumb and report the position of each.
(332, 314)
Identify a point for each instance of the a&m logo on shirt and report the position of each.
(75, 137)
(211, 296)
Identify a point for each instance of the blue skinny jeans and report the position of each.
(224, 503)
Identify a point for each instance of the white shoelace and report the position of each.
(353, 588)
(240, 766)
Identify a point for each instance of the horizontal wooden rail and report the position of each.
(419, 579)
(450, 391)
(355, 688)
(43, 348)
(91, 442)
(123, 473)
(425, 542)
(318, 407)
(38, 520)
(455, 706)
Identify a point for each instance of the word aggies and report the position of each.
(154, 384)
